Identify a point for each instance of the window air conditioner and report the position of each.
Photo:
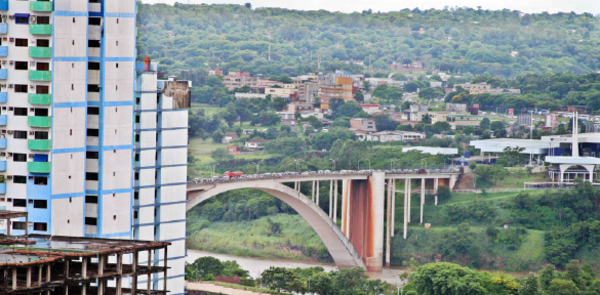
(31, 132)
(9, 176)
(32, 109)
(31, 86)
(10, 108)
(9, 154)
(10, 86)
(11, 39)
(11, 62)
(30, 156)
(32, 19)
(10, 132)
(11, 17)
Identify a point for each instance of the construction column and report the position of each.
(422, 198)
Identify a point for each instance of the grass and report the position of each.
(234, 286)
(208, 109)
(297, 239)
(533, 246)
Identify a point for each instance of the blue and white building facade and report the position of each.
(69, 144)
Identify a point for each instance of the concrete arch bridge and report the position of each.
(357, 237)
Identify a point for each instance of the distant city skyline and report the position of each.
(528, 6)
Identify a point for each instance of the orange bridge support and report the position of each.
(363, 217)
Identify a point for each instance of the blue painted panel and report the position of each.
(3, 97)
(39, 192)
(4, 5)
(40, 158)
(3, 143)
(3, 120)
(3, 51)
(3, 166)
(3, 188)
(3, 74)
(3, 28)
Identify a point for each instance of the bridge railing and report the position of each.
(295, 175)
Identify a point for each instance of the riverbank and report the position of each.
(255, 266)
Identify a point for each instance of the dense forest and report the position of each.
(501, 43)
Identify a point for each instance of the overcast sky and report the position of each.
(530, 6)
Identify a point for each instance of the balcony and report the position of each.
(39, 99)
(4, 5)
(39, 122)
(3, 51)
(3, 188)
(40, 52)
(2, 166)
(3, 74)
(42, 6)
(40, 75)
(3, 97)
(3, 28)
(38, 144)
(38, 167)
(3, 120)
(36, 29)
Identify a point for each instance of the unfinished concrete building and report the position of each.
(40, 264)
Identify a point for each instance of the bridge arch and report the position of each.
(339, 246)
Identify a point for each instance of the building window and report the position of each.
(42, 20)
(94, 21)
(19, 158)
(20, 134)
(19, 225)
(93, 88)
(94, 43)
(91, 221)
(42, 43)
(93, 110)
(21, 65)
(40, 204)
(92, 155)
(20, 112)
(92, 132)
(136, 176)
(135, 214)
(40, 180)
(41, 112)
(21, 88)
(19, 179)
(41, 135)
(22, 20)
(93, 65)
(42, 89)
(137, 157)
(40, 226)
(91, 199)
(21, 42)
(19, 203)
(91, 176)
(42, 66)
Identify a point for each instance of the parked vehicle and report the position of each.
(233, 174)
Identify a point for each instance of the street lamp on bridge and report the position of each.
(333, 164)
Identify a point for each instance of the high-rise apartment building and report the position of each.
(72, 151)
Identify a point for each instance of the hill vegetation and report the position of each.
(505, 43)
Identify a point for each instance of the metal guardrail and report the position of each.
(294, 175)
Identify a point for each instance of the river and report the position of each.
(255, 266)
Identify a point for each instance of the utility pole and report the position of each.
(269, 44)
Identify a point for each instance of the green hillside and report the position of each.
(458, 40)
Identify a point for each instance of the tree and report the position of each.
(248, 5)
(530, 286)
(384, 122)
(546, 276)
(443, 193)
(208, 266)
(279, 103)
(426, 119)
(359, 96)
(563, 287)
(440, 127)
(277, 278)
(218, 136)
(448, 279)
(484, 124)
(431, 93)
(367, 86)
(220, 155)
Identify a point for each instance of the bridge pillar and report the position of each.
(423, 181)
(363, 213)
(436, 183)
